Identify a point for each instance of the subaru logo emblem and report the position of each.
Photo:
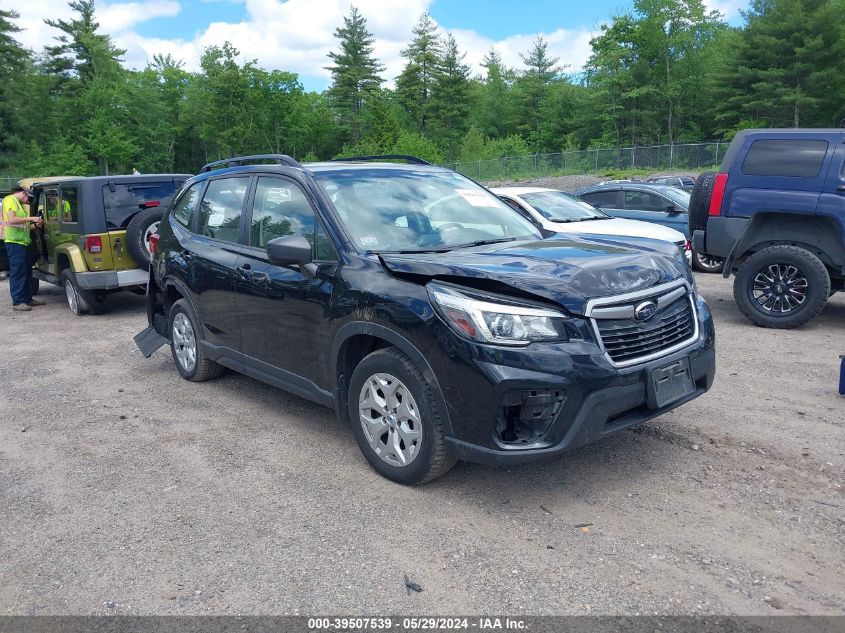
(645, 310)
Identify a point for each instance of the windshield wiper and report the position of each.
(483, 242)
(413, 250)
(567, 220)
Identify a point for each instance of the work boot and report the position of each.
(21, 307)
(36, 302)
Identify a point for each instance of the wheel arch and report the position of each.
(69, 256)
(818, 235)
(354, 341)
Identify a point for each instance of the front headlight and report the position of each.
(499, 323)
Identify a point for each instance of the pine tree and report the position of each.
(495, 108)
(355, 73)
(413, 86)
(540, 70)
(13, 60)
(789, 67)
(450, 99)
(81, 50)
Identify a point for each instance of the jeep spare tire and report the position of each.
(699, 201)
(138, 234)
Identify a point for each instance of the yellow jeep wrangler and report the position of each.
(95, 238)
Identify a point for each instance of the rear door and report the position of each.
(648, 206)
(212, 255)
(282, 310)
(608, 200)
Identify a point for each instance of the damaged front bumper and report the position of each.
(516, 406)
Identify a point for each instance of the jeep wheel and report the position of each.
(78, 300)
(138, 233)
(699, 201)
(781, 287)
(395, 419)
(186, 345)
(706, 264)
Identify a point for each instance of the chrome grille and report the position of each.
(627, 340)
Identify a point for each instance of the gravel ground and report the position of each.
(124, 489)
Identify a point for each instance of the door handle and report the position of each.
(841, 188)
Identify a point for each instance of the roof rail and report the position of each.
(282, 159)
(413, 160)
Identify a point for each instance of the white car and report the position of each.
(558, 211)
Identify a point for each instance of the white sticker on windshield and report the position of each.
(368, 240)
(476, 198)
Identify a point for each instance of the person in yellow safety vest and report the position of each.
(53, 208)
(17, 225)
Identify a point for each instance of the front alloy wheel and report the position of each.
(390, 419)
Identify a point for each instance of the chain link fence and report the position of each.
(7, 182)
(693, 157)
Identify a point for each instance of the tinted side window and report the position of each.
(220, 211)
(280, 208)
(323, 247)
(69, 205)
(644, 201)
(600, 198)
(127, 199)
(185, 206)
(799, 158)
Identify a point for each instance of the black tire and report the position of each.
(432, 459)
(85, 300)
(699, 201)
(203, 368)
(136, 232)
(706, 264)
(34, 285)
(812, 280)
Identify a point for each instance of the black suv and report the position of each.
(423, 309)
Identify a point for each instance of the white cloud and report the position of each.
(293, 35)
(728, 8)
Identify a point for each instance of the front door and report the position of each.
(283, 310)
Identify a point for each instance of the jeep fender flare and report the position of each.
(74, 256)
(398, 341)
(817, 234)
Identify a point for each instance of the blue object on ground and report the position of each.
(842, 375)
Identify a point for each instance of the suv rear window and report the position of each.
(126, 200)
(798, 158)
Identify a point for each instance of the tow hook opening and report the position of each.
(526, 415)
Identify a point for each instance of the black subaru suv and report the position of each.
(425, 311)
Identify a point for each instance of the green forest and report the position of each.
(666, 71)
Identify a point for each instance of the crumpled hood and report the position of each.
(567, 271)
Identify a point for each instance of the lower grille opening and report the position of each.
(526, 415)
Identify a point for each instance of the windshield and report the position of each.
(557, 205)
(386, 209)
(678, 196)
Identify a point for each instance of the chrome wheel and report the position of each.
(151, 230)
(184, 342)
(708, 263)
(779, 288)
(72, 297)
(391, 420)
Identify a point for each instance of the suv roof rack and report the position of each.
(413, 160)
(282, 159)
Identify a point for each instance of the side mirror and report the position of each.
(672, 209)
(292, 250)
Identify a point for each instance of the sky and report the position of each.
(296, 35)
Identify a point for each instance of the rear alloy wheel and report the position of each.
(396, 420)
(707, 264)
(186, 345)
(781, 287)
